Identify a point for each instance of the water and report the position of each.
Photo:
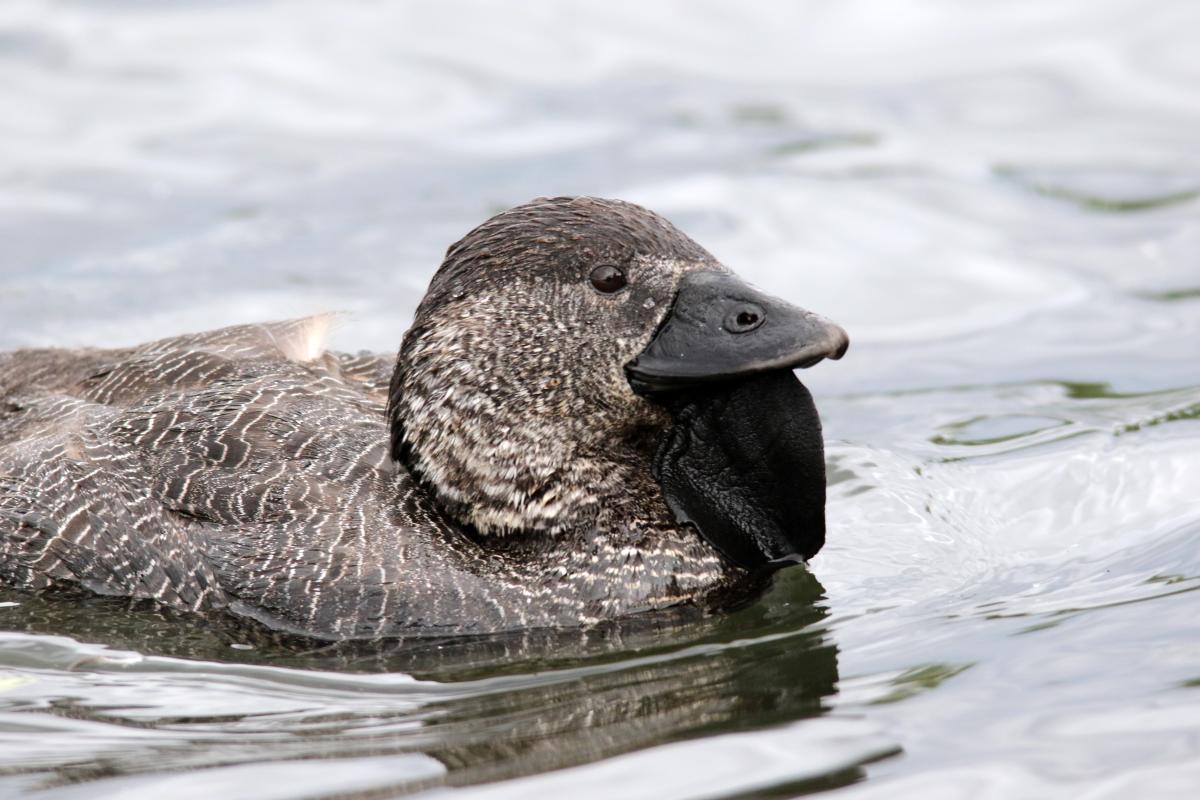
(998, 201)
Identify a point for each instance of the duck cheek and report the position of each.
(631, 408)
(610, 361)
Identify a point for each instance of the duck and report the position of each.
(590, 418)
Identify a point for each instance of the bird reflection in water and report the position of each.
(499, 706)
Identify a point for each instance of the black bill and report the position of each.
(721, 327)
(744, 461)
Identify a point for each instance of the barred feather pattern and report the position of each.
(245, 469)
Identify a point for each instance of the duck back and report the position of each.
(242, 467)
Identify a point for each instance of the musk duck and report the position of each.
(589, 418)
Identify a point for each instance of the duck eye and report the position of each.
(608, 279)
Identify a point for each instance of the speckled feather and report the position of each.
(247, 469)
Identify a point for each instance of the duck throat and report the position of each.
(745, 464)
(500, 482)
(500, 465)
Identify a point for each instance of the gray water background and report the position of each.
(997, 200)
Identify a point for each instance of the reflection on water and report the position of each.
(1104, 189)
(504, 706)
(998, 201)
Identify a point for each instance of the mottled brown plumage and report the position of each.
(245, 469)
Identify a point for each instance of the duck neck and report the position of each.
(504, 460)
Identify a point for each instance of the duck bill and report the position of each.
(721, 328)
(744, 460)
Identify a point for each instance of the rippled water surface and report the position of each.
(998, 200)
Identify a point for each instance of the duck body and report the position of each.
(226, 470)
(353, 496)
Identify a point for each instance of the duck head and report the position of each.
(579, 361)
